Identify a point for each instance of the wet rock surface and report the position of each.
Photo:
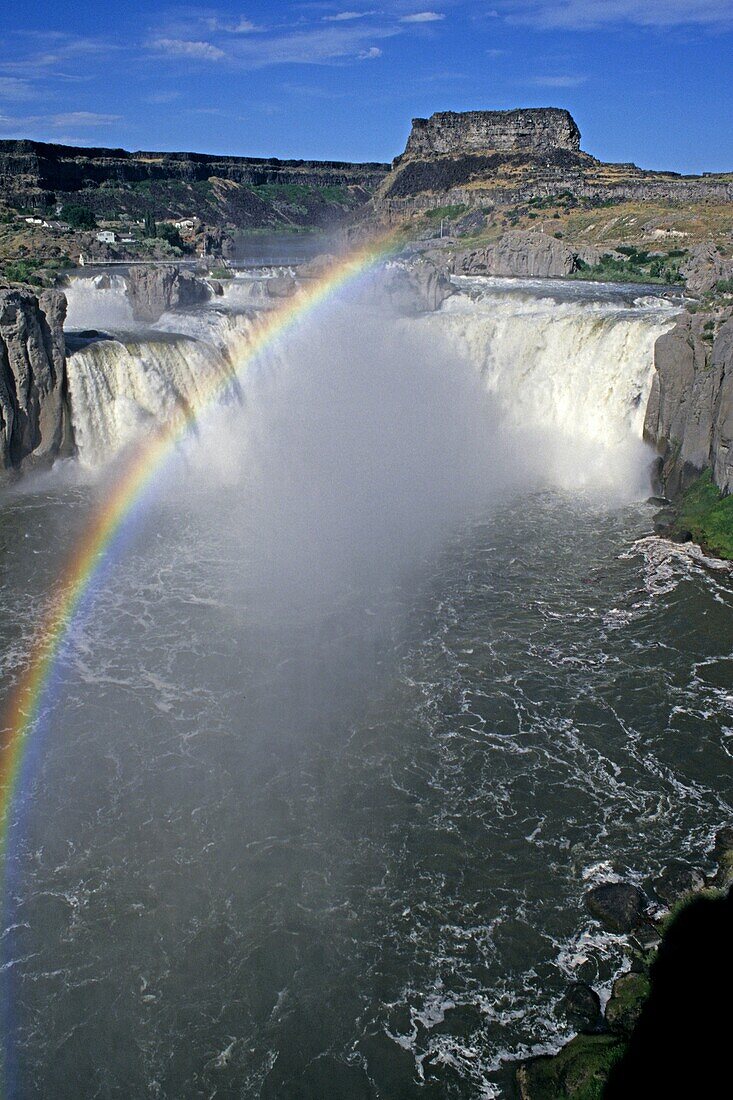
(619, 906)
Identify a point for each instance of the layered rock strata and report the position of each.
(539, 130)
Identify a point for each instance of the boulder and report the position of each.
(619, 906)
(154, 290)
(34, 420)
(626, 1002)
(582, 1006)
(677, 881)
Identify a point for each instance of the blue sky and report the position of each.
(647, 80)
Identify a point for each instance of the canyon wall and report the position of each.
(219, 190)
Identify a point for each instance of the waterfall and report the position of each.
(569, 375)
(117, 388)
(97, 301)
(574, 369)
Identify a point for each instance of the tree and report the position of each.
(151, 229)
(78, 217)
(169, 233)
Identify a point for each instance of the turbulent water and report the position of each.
(371, 696)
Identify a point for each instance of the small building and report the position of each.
(107, 236)
(34, 221)
(186, 225)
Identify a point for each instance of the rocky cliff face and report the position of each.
(34, 421)
(523, 254)
(475, 158)
(154, 290)
(537, 130)
(689, 417)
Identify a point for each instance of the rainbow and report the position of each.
(105, 533)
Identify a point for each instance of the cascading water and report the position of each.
(573, 375)
(96, 301)
(575, 368)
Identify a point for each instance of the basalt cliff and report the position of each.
(34, 415)
(246, 192)
(479, 159)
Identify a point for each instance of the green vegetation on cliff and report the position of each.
(706, 515)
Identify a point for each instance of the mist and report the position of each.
(359, 445)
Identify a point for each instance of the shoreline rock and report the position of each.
(648, 1000)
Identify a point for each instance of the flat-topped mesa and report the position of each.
(534, 130)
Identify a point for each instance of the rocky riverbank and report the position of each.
(661, 1022)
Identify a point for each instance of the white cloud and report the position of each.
(83, 119)
(347, 16)
(423, 17)
(558, 81)
(590, 14)
(181, 47)
(367, 55)
(241, 26)
(324, 44)
(13, 88)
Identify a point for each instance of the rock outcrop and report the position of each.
(417, 286)
(534, 129)
(34, 421)
(619, 906)
(689, 417)
(704, 268)
(480, 159)
(154, 290)
(517, 253)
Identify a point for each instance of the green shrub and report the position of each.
(167, 232)
(78, 217)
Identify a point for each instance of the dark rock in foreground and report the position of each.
(582, 1006)
(619, 906)
(579, 1069)
(677, 881)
